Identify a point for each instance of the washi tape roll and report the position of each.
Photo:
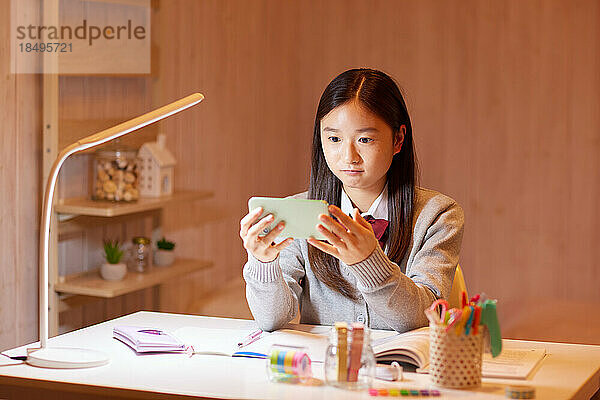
(290, 363)
(273, 360)
(520, 392)
(303, 365)
(288, 366)
(297, 362)
(281, 361)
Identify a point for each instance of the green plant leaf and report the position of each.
(112, 251)
(164, 244)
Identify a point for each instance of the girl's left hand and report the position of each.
(351, 242)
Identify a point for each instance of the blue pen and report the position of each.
(470, 320)
(249, 354)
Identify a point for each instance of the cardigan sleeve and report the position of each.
(401, 299)
(273, 292)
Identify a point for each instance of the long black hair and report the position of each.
(379, 94)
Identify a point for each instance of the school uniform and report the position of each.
(390, 295)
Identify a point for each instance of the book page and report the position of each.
(411, 347)
(211, 341)
(316, 344)
(511, 363)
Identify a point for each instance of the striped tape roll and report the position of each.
(520, 392)
(288, 367)
(290, 363)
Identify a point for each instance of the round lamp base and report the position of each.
(66, 357)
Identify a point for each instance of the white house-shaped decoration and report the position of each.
(155, 169)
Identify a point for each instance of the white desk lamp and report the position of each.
(67, 357)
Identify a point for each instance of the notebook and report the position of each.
(146, 340)
(512, 363)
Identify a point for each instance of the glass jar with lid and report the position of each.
(115, 176)
(140, 254)
(349, 359)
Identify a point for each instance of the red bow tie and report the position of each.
(380, 229)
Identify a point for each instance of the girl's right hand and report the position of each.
(263, 248)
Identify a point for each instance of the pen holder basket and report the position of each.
(289, 364)
(354, 374)
(455, 359)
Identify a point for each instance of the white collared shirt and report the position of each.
(377, 210)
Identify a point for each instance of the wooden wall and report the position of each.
(505, 102)
(88, 104)
(20, 171)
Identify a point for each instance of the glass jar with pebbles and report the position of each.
(115, 174)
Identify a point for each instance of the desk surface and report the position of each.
(568, 371)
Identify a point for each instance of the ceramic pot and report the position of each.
(113, 272)
(164, 258)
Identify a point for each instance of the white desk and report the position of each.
(569, 371)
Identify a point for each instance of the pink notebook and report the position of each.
(144, 339)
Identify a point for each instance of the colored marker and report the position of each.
(342, 351)
(476, 320)
(251, 338)
(489, 318)
(358, 331)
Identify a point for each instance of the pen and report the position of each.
(251, 338)
(249, 354)
(462, 321)
(476, 319)
(470, 320)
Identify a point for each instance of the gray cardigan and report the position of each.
(390, 296)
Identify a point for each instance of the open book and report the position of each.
(213, 341)
(406, 348)
(413, 348)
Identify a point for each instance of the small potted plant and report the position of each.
(164, 255)
(113, 269)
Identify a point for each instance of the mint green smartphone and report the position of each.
(301, 216)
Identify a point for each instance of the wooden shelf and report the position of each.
(91, 284)
(153, 3)
(84, 206)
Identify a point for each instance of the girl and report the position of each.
(363, 165)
